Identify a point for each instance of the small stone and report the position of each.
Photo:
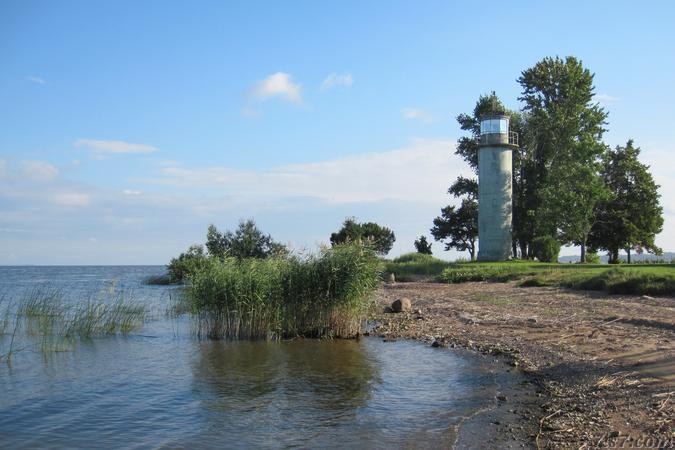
(465, 318)
(437, 344)
(417, 311)
(501, 398)
(401, 305)
(532, 320)
(388, 309)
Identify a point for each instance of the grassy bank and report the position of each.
(322, 295)
(639, 279)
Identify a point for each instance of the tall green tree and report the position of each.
(631, 216)
(565, 128)
(571, 202)
(458, 226)
(380, 238)
(422, 245)
(247, 241)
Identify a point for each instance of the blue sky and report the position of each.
(128, 127)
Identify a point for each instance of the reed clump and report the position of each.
(322, 295)
(44, 317)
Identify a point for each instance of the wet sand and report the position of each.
(602, 368)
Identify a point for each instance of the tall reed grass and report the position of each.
(324, 295)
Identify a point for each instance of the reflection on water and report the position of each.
(330, 376)
(163, 389)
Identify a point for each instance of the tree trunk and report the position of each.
(523, 250)
(614, 256)
(628, 255)
(582, 258)
(473, 251)
(514, 249)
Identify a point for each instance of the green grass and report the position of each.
(415, 267)
(323, 295)
(645, 280)
(638, 279)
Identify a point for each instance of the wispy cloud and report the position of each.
(70, 198)
(606, 99)
(39, 184)
(36, 80)
(101, 147)
(417, 114)
(279, 85)
(39, 171)
(335, 79)
(419, 171)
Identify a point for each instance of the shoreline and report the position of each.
(603, 366)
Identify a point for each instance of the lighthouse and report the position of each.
(495, 195)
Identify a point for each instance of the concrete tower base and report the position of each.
(494, 202)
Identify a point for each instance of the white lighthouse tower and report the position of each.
(495, 197)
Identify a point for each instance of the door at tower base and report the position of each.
(494, 203)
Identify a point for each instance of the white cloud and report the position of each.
(70, 198)
(279, 85)
(36, 80)
(131, 192)
(39, 171)
(335, 79)
(101, 147)
(419, 172)
(606, 99)
(417, 114)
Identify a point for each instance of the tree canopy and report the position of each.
(380, 238)
(630, 217)
(458, 226)
(247, 241)
(422, 246)
(566, 184)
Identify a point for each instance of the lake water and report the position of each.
(160, 387)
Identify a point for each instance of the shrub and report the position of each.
(186, 263)
(422, 246)
(380, 239)
(592, 258)
(247, 241)
(546, 248)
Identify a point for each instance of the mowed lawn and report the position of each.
(650, 279)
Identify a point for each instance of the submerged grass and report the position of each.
(324, 295)
(45, 318)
